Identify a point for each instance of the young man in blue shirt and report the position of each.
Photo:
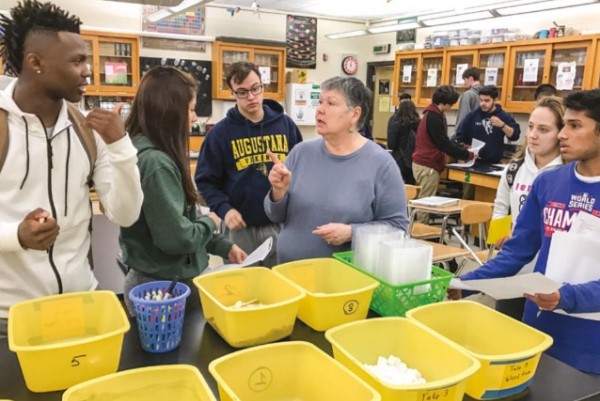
(557, 196)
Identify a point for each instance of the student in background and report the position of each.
(330, 185)
(233, 166)
(401, 134)
(490, 124)
(45, 211)
(168, 240)
(555, 199)
(405, 97)
(469, 101)
(539, 152)
(545, 90)
(432, 144)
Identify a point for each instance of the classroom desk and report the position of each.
(445, 212)
(554, 381)
(485, 181)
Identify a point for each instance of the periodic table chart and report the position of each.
(189, 22)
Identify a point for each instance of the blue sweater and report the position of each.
(364, 187)
(555, 199)
(477, 125)
(233, 166)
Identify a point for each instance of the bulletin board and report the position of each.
(201, 70)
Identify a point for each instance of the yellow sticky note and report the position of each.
(499, 228)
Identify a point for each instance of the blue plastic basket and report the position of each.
(159, 322)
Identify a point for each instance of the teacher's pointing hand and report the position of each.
(279, 177)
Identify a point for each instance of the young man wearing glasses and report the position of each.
(233, 165)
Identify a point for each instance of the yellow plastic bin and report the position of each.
(335, 293)
(62, 340)
(444, 366)
(509, 351)
(294, 370)
(155, 383)
(270, 318)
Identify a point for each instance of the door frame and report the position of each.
(371, 67)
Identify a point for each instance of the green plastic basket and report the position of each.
(396, 300)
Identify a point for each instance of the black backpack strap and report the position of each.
(511, 171)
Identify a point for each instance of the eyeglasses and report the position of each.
(243, 93)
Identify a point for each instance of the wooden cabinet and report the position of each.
(114, 63)
(516, 67)
(418, 73)
(548, 60)
(493, 61)
(269, 59)
(596, 57)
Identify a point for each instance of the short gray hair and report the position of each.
(355, 93)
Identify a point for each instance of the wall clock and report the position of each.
(350, 65)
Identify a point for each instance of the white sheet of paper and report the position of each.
(572, 259)
(460, 68)
(530, 70)
(406, 73)
(431, 77)
(565, 75)
(476, 146)
(509, 287)
(585, 224)
(491, 76)
(259, 254)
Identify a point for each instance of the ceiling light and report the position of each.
(541, 6)
(349, 34)
(394, 27)
(168, 11)
(458, 18)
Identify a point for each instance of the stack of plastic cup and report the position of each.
(406, 261)
(366, 241)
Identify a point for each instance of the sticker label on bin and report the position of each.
(440, 394)
(518, 372)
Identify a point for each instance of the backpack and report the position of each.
(84, 133)
(511, 171)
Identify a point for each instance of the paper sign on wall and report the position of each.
(115, 72)
(460, 68)
(491, 76)
(432, 77)
(384, 104)
(530, 70)
(406, 73)
(565, 77)
(265, 74)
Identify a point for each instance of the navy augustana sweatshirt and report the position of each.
(233, 167)
(477, 125)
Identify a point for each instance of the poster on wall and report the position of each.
(301, 42)
(199, 69)
(188, 22)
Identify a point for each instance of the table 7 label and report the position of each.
(440, 394)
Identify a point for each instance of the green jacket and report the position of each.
(167, 240)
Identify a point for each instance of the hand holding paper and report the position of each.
(259, 254)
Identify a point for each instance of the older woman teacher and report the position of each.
(331, 185)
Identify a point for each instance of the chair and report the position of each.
(420, 230)
(479, 214)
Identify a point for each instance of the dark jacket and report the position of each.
(477, 125)
(432, 141)
(167, 240)
(233, 166)
(401, 141)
